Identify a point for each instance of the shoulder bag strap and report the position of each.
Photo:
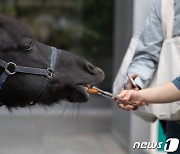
(167, 17)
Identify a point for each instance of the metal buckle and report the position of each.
(49, 73)
(13, 68)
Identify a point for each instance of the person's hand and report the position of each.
(132, 96)
(128, 86)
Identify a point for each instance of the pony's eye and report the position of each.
(28, 46)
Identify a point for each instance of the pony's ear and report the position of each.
(6, 41)
(14, 26)
(10, 31)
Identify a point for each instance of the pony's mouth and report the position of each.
(83, 89)
(79, 93)
(86, 87)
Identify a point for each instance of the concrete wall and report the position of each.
(126, 127)
(122, 34)
(140, 130)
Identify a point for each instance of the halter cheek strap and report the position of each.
(11, 68)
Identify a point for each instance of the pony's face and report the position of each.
(71, 72)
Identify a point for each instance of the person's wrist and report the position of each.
(141, 98)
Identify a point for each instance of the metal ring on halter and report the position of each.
(11, 68)
(49, 73)
(10, 72)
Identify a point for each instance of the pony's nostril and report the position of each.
(92, 69)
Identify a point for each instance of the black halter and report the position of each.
(11, 68)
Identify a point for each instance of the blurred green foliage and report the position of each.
(83, 27)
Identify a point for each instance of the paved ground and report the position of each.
(57, 134)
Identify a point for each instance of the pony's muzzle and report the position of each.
(92, 69)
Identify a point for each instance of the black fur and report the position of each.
(71, 71)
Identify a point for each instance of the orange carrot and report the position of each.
(92, 91)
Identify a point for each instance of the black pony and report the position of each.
(32, 72)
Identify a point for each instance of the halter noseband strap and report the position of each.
(11, 68)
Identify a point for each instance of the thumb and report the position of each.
(125, 95)
(122, 94)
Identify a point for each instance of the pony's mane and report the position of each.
(13, 26)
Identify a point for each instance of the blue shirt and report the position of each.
(176, 82)
(147, 53)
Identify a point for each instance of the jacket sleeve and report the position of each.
(176, 82)
(147, 53)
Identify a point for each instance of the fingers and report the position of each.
(129, 85)
(129, 95)
(125, 107)
(125, 95)
(122, 94)
(134, 76)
